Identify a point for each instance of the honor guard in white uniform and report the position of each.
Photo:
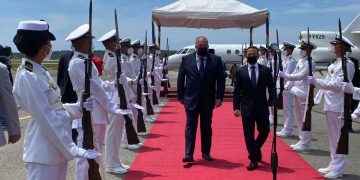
(126, 67)
(262, 58)
(115, 129)
(270, 64)
(103, 105)
(48, 145)
(157, 73)
(289, 65)
(299, 87)
(331, 92)
(135, 57)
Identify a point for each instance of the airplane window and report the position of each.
(191, 51)
(184, 52)
(237, 52)
(228, 51)
(179, 51)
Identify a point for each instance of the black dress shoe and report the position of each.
(252, 166)
(188, 159)
(207, 157)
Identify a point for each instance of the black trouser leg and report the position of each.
(206, 131)
(249, 131)
(263, 127)
(190, 131)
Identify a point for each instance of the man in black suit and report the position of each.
(68, 95)
(251, 103)
(200, 87)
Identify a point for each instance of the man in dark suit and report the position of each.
(68, 95)
(200, 87)
(251, 103)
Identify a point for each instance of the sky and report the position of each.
(288, 16)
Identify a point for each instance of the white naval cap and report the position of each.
(78, 32)
(107, 36)
(306, 44)
(288, 44)
(33, 30)
(136, 43)
(125, 41)
(345, 40)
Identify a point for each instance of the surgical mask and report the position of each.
(140, 51)
(48, 56)
(284, 53)
(332, 48)
(302, 53)
(252, 60)
(158, 52)
(130, 50)
(202, 51)
(347, 54)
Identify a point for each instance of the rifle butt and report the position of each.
(140, 122)
(130, 131)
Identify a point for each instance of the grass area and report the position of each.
(50, 65)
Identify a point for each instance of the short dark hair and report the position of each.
(31, 48)
(252, 47)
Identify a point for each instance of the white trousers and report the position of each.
(305, 136)
(82, 166)
(38, 171)
(288, 109)
(114, 135)
(334, 125)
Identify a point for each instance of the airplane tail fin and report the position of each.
(352, 31)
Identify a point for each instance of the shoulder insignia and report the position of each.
(28, 66)
(81, 56)
(111, 55)
(44, 68)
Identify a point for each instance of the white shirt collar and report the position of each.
(256, 66)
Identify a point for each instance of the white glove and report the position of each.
(141, 81)
(88, 104)
(281, 74)
(146, 94)
(123, 112)
(137, 106)
(122, 79)
(347, 87)
(88, 154)
(164, 80)
(354, 116)
(311, 80)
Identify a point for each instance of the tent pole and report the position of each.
(159, 35)
(251, 36)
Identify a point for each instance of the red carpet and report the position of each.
(161, 156)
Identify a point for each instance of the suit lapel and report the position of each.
(194, 64)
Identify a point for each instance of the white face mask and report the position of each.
(48, 56)
(92, 48)
(284, 53)
(140, 51)
(332, 48)
(347, 54)
(130, 50)
(158, 53)
(302, 53)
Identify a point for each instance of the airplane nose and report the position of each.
(171, 62)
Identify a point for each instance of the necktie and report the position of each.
(202, 68)
(253, 76)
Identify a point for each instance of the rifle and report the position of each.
(343, 143)
(140, 119)
(130, 130)
(280, 96)
(310, 98)
(88, 141)
(155, 99)
(165, 71)
(149, 108)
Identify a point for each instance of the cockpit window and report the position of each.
(184, 52)
(191, 51)
(179, 51)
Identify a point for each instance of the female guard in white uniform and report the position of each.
(48, 145)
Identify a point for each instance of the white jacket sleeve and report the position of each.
(34, 100)
(303, 74)
(335, 85)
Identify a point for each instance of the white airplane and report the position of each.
(231, 53)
